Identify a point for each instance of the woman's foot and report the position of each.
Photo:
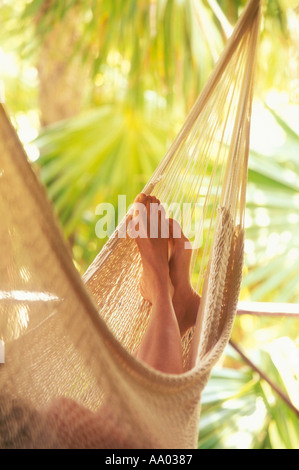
(161, 343)
(185, 300)
(166, 256)
(148, 225)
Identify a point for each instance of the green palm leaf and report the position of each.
(240, 410)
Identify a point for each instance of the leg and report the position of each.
(161, 345)
(185, 300)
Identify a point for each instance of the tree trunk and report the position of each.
(62, 73)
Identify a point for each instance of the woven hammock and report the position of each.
(70, 378)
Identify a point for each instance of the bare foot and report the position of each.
(185, 299)
(149, 227)
(160, 346)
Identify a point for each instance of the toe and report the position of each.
(141, 197)
(155, 200)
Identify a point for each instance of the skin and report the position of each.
(165, 283)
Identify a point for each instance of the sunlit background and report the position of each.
(98, 89)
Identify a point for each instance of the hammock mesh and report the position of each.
(70, 379)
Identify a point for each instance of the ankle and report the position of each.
(163, 286)
(186, 303)
(184, 291)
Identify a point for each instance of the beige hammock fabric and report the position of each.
(69, 378)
